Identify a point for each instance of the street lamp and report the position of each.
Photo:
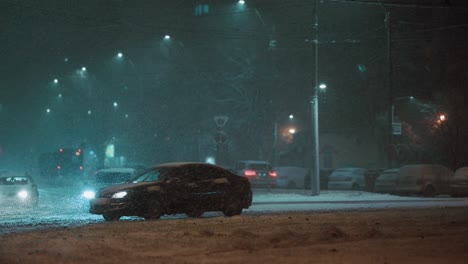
(119, 55)
(315, 183)
(55, 81)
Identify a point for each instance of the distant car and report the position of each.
(18, 190)
(424, 179)
(387, 181)
(459, 182)
(291, 177)
(347, 179)
(174, 188)
(107, 177)
(260, 173)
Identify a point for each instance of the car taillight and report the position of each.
(250, 173)
(273, 174)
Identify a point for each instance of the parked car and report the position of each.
(347, 179)
(259, 173)
(386, 182)
(459, 182)
(291, 177)
(106, 177)
(174, 188)
(424, 179)
(18, 190)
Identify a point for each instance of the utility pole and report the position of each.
(315, 179)
(390, 89)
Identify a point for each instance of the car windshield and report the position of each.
(16, 180)
(388, 176)
(152, 175)
(112, 177)
(258, 166)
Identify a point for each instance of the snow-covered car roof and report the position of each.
(117, 170)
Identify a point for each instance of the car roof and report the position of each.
(255, 161)
(183, 164)
(114, 170)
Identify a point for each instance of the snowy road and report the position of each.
(60, 207)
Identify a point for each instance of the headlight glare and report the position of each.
(23, 194)
(119, 195)
(89, 194)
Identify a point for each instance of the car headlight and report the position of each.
(119, 195)
(89, 194)
(23, 194)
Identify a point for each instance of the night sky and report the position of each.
(251, 62)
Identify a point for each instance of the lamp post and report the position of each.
(315, 181)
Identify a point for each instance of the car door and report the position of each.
(210, 186)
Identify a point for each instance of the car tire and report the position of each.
(194, 213)
(153, 210)
(429, 191)
(232, 208)
(111, 217)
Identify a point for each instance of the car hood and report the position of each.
(126, 186)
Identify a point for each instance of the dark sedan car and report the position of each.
(174, 188)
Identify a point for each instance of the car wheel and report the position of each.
(153, 210)
(429, 191)
(111, 217)
(194, 213)
(232, 208)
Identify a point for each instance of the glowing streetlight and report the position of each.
(89, 112)
(291, 116)
(48, 110)
(116, 104)
(442, 117)
(83, 68)
(55, 81)
(167, 37)
(292, 131)
(119, 55)
(241, 2)
(322, 86)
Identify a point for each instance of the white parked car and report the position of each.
(424, 179)
(386, 182)
(347, 179)
(291, 177)
(459, 182)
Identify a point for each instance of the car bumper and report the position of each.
(340, 186)
(385, 188)
(108, 205)
(459, 189)
(262, 181)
